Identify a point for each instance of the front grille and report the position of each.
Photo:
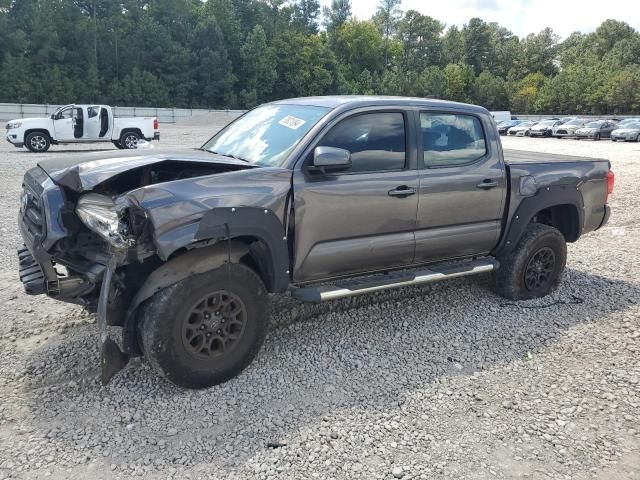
(31, 203)
(562, 132)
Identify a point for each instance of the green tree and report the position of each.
(359, 47)
(336, 15)
(258, 68)
(386, 18)
(421, 41)
(306, 14)
(491, 92)
(458, 82)
(527, 91)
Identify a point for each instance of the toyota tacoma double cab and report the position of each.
(323, 198)
(81, 124)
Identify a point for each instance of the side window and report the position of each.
(376, 141)
(451, 139)
(65, 114)
(93, 111)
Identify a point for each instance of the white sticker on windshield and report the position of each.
(292, 122)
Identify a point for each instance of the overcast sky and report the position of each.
(519, 16)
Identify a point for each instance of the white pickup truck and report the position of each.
(81, 124)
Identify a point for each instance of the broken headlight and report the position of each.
(98, 213)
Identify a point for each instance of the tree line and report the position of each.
(240, 53)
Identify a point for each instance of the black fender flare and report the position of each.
(260, 223)
(546, 197)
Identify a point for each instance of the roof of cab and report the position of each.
(355, 101)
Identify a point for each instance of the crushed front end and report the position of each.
(73, 245)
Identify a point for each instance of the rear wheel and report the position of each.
(534, 268)
(206, 329)
(38, 142)
(129, 140)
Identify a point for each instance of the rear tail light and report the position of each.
(155, 124)
(611, 178)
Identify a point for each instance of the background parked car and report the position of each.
(626, 121)
(563, 120)
(544, 128)
(569, 129)
(521, 130)
(503, 127)
(596, 130)
(630, 131)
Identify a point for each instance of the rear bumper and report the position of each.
(156, 136)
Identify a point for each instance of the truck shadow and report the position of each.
(368, 352)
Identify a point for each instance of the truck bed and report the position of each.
(515, 157)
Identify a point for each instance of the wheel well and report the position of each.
(565, 218)
(127, 130)
(259, 257)
(32, 130)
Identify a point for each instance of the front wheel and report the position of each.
(129, 140)
(38, 142)
(596, 137)
(205, 329)
(534, 268)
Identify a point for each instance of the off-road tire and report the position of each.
(163, 318)
(129, 140)
(37, 142)
(510, 276)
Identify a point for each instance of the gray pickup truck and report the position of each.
(323, 198)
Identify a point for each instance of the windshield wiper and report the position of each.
(228, 155)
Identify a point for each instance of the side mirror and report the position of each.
(331, 159)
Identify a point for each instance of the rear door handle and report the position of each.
(401, 191)
(487, 184)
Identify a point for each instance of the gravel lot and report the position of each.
(443, 381)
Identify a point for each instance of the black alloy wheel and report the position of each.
(539, 272)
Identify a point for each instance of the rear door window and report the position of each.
(451, 139)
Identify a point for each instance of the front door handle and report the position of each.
(487, 184)
(402, 191)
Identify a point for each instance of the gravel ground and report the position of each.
(444, 381)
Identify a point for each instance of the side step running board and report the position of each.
(394, 280)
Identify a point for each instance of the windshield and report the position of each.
(594, 124)
(266, 135)
(548, 122)
(631, 125)
(575, 122)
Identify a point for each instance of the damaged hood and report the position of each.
(85, 172)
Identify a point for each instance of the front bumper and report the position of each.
(13, 139)
(624, 138)
(539, 133)
(581, 136)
